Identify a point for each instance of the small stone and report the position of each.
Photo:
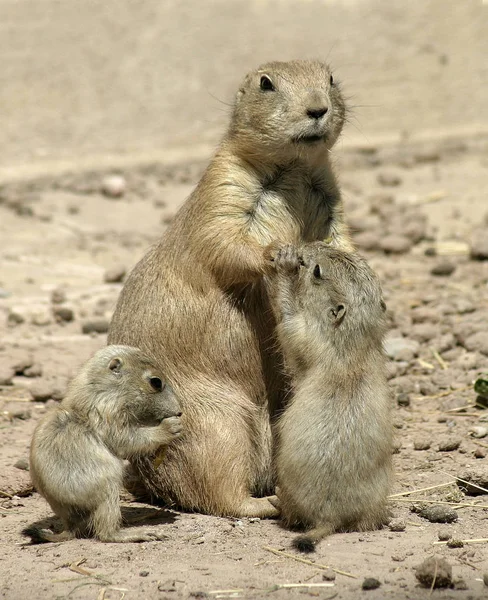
(370, 583)
(34, 370)
(403, 399)
(395, 244)
(401, 349)
(479, 453)
(389, 179)
(422, 444)
(479, 245)
(15, 318)
(398, 557)
(459, 584)
(58, 296)
(455, 543)
(477, 431)
(478, 342)
(443, 269)
(367, 240)
(95, 326)
(114, 186)
(63, 314)
(415, 230)
(397, 525)
(22, 464)
(22, 362)
(167, 586)
(439, 514)
(143, 573)
(443, 535)
(115, 274)
(328, 575)
(434, 572)
(449, 444)
(41, 319)
(423, 332)
(41, 391)
(22, 415)
(476, 478)
(7, 373)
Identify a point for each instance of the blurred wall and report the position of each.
(82, 78)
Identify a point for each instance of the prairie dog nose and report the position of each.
(316, 113)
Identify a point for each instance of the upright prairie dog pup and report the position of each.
(117, 407)
(333, 460)
(197, 302)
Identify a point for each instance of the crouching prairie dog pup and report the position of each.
(197, 301)
(117, 407)
(333, 460)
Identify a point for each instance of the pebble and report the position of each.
(22, 464)
(443, 269)
(439, 514)
(434, 571)
(449, 444)
(445, 343)
(367, 240)
(388, 179)
(143, 573)
(22, 415)
(478, 249)
(41, 390)
(15, 318)
(114, 186)
(395, 244)
(477, 431)
(58, 296)
(370, 583)
(95, 326)
(328, 575)
(63, 314)
(7, 373)
(401, 349)
(478, 342)
(474, 475)
(422, 444)
(459, 584)
(423, 332)
(397, 525)
(415, 230)
(479, 453)
(22, 361)
(403, 399)
(34, 370)
(443, 535)
(115, 274)
(41, 319)
(424, 314)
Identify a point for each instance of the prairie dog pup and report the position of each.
(117, 407)
(197, 301)
(333, 461)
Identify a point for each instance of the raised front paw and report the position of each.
(170, 429)
(286, 259)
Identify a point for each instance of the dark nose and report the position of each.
(316, 113)
(178, 414)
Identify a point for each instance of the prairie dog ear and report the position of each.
(115, 365)
(337, 313)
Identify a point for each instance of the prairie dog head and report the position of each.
(338, 291)
(122, 382)
(289, 109)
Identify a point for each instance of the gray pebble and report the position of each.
(114, 186)
(478, 342)
(401, 349)
(395, 244)
(403, 399)
(415, 230)
(367, 240)
(449, 445)
(389, 179)
(15, 318)
(328, 575)
(58, 296)
(22, 464)
(485, 579)
(439, 514)
(22, 415)
(423, 332)
(397, 525)
(474, 476)
(422, 444)
(443, 268)
(477, 431)
(479, 245)
(115, 274)
(443, 535)
(370, 583)
(7, 373)
(41, 390)
(63, 314)
(95, 326)
(41, 319)
(424, 314)
(34, 370)
(479, 453)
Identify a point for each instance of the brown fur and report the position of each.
(334, 451)
(116, 408)
(196, 301)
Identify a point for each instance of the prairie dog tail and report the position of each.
(41, 536)
(308, 541)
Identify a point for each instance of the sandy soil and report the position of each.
(413, 166)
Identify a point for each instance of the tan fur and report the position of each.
(334, 451)
(117, 407)
(196, 301)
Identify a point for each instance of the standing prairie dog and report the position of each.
(333, 460)
(197, 302)
(117, 407)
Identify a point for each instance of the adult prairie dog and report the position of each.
(197, 303)
(117, 407)
(333, 460)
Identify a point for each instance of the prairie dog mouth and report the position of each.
(309, 139)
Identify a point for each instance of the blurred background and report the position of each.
(85, 82)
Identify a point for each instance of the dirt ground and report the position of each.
(416, 198)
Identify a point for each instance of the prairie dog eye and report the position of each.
(317, 272)
(156, 383)
(266, 84)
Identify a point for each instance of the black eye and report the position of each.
(331, 80)
(266, 84)
(156, 383)
(317, 272)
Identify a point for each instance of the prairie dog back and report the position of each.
(117, 407)
(333, 460)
